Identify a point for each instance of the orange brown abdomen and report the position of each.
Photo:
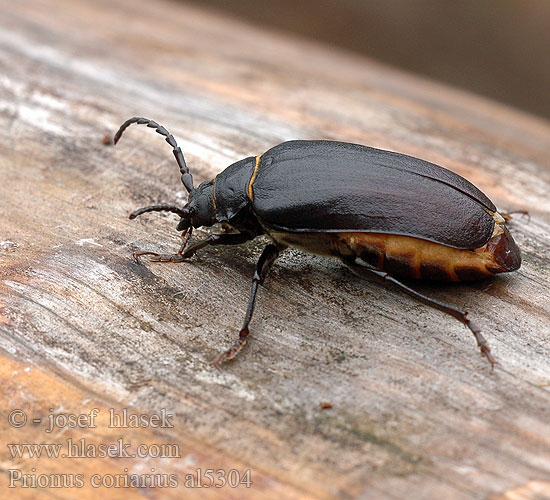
(410, 257)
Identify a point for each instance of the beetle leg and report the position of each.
(157, 257)
(383, 277)
(270, 253)
(185, 252)
(507, 216)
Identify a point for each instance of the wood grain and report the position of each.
(416, 412)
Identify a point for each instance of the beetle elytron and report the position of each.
(402, 216)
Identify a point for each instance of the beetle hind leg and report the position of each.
(508, 216)
(383, 277)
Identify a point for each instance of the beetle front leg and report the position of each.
(383, 277)
(185, 252)
(268, 257)
(157, 257)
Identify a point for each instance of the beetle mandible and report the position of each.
(402, 216)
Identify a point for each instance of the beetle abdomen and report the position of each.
(413, 258)
(409, 257)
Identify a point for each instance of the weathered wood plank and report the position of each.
(416, 412)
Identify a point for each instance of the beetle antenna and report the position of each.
(186, 177)
(182, 212)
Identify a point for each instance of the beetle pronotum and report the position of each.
(402, 216)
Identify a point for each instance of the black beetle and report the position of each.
(404, 217)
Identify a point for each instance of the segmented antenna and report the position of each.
(182, 212)
(186, 177)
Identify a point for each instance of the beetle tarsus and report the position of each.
(160, 257)
(486, 351)
(233, 350)
(481, 341)
(166, 257)
(508, 216)
(137, 255)
(178, 257)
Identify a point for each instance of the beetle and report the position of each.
(403, 217)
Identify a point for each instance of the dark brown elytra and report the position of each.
(402, 216)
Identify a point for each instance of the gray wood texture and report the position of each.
(416, 412)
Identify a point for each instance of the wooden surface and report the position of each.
(416, 412)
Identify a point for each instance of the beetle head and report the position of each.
(200, 208)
